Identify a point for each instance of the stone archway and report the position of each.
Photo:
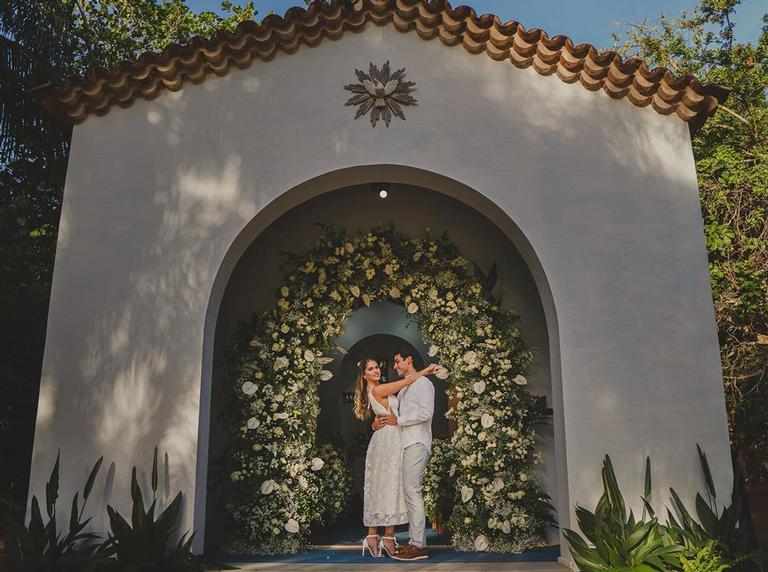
(393, 174)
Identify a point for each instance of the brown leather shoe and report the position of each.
(411, 552)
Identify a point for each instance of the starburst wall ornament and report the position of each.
(381, 93)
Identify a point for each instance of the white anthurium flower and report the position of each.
(268, 486)
(498, 484)
(282, 415)
(366, 299)
(395, 293)
(281, 362)
(309, 355)
(505, 527)
(355, 291)
(452, 470)
(303, 483)
(481, 543)
(326, 360)
(487, 420)
(413, 307)
(292, 526)
(254, 343)
(317, 464)
(253, 423)
(442, 373)
(520, 379)
(478, 387)
(325, 375)
(466, 493)
(433, 349)
(249, 388)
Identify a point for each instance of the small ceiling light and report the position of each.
(383, 193)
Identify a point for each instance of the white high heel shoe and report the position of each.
(368, 546)
(383, 548)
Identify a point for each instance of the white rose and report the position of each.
(486, 420)
(478, 387)
(470, 358)
(442, 373)
(325, 375)
(284, 328)
(433, 294)
(433, 349)
(355, 291)
(520, 380)
(481, 543)
(317, 464)
(253, 423)
(523, 477)
(309, 355)
(249, 388)
(303, 482)
(281, 362)
(267, 487)
(466, 493)
(413, 307)
(394, 293)
(292, 526)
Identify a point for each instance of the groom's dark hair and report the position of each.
(405, 352)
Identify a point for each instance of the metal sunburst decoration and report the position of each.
(381, 93)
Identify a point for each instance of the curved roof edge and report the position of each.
(152, 72)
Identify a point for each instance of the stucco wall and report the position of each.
(604, 192)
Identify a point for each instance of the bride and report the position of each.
(383, 496)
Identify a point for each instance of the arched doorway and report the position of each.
(254, 273)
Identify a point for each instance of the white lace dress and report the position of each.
(383, 496)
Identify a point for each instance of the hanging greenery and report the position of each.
(279, 358)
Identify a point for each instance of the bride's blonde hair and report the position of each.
(362, 407)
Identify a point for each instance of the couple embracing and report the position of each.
(397, 453)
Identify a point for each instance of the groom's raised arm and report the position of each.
(423, 407)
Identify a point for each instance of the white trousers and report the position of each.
(415, 459)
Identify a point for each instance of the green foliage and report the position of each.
(439, 492)
(705, 560)
(44, 546)
(731, 152)
(335, 483)
(615, 540)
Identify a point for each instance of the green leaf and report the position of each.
(154, 473)
(91, 479)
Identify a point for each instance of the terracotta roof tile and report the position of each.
(149, 74)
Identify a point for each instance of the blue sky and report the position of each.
(590, 21)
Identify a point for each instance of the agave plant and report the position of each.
(146, 543)
(615, 540)
(729, 528)
(43, 546)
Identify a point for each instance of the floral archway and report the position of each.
(283, 481)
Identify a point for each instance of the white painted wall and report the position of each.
(601, 195)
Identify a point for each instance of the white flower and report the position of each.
(325, 375)
(505, 528)
(433, 349)
(442, 373)
(281, 362)
(466, 493)
(481, 543)
(254, 343)
(284, 328)
(478, 387)
(413, 307)
(309, 355)
(292, 526)
(303, 482)
(317, 464)
(268, 486)
(282, 415)
(253, 423)
(470, 358)
(366, 299)
(433, 294)
(355, 291)
(498, 484)
(523, 477)
(452, 470)
(394, 293)
(284, 291)
(326, 360)
(486, 420)
(520, 380)
(249, 388)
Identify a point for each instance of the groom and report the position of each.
(416, 407)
